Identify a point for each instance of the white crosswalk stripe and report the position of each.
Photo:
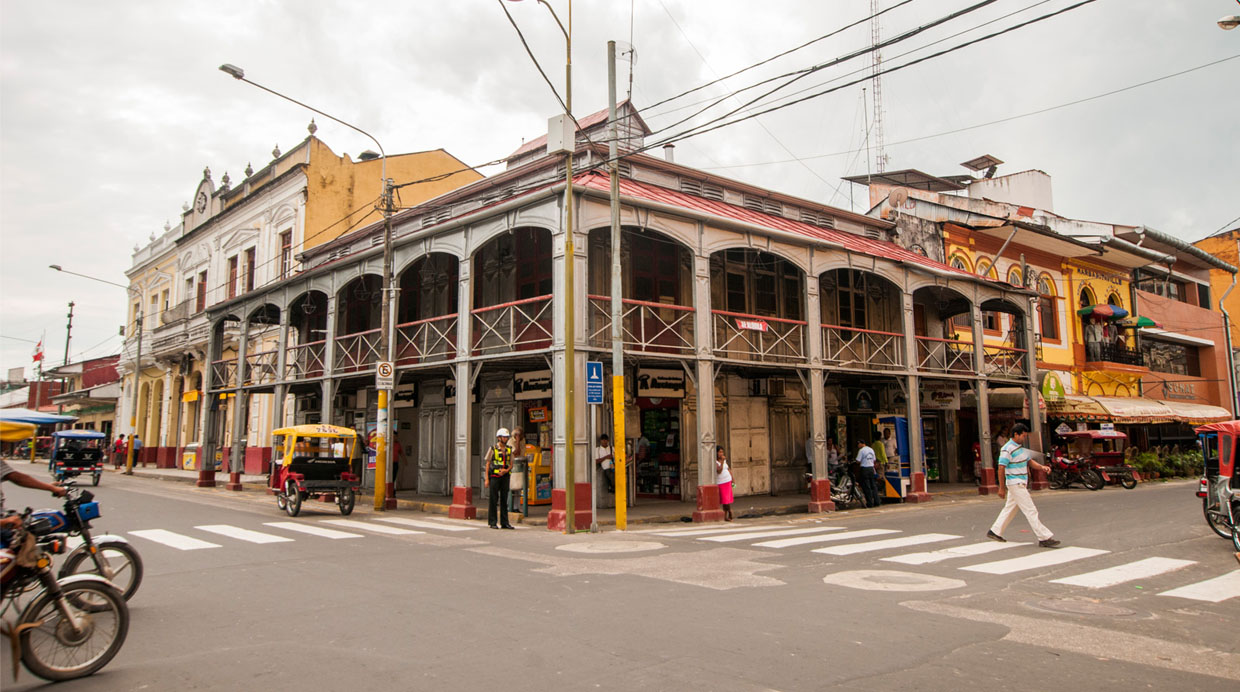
(173, 540)
(853, 548)
(243, 534)
(365, 526)
(735, 537)
(1214, 590)
(313, 530)
(823, 538)
(1141, 569)
(970, 550)
(1045, 558)
(699, 531)
(426, 524)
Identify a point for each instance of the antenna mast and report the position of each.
(880, 154)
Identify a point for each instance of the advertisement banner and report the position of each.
(940, 396)
(660, 384)
(535, 384)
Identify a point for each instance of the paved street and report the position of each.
(239, 596)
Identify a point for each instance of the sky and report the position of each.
(110, 111)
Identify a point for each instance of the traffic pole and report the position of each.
(617, 312)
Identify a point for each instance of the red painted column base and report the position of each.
(206, 478)
(1038, 480)
(917, 491)
(988, 485)
(462, 504)
(820, 496)
(557, 518)
(708, 507)
(234, 481)
(389, 499)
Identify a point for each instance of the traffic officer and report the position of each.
(498, 460)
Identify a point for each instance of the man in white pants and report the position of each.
(1013, 485)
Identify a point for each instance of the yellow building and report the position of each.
(1225, 246)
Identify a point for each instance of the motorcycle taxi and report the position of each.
(76, 452)
(315, 460)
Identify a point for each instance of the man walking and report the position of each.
(1013, 486)
(498, 460)
(869, 474)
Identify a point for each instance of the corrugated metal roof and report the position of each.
(849, 241)
(587, 122)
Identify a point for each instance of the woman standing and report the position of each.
(723, 478)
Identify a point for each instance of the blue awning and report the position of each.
(25, 415)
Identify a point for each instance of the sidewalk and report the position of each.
(645, 512)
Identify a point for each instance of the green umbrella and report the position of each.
(1145, 322)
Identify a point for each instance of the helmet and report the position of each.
(502, 432)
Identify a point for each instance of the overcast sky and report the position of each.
(110, 110)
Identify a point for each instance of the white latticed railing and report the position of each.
(357, 351)
(866, 349)
(753, 337)
(944, 355)
(517, 326)
(645, 326)
(260, 368)
(1004, 361)
(304, 360)
(431, 339)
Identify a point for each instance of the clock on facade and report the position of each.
(202, 202)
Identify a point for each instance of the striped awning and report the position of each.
(1134, 410)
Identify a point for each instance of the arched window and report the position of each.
(1014, 277)
(960, 262)
(1113, 299)
(1048, 309)
(985, 267)
(990, 319)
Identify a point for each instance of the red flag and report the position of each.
(38, 352)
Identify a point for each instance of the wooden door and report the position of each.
(749, 447)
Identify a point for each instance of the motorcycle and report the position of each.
(844, 487)
(70, 629)
(111, 557)
(1065, 472)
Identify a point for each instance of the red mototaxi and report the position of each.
(1106, 452)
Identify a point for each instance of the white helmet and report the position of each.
(502, 432)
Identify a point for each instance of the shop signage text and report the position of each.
(940, 396)
(752, 325)
(535, 384)
(1179, 390)
(660, 384)
(1052, 387)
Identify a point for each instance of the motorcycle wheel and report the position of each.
(1235, 526)
(95, 479)
(1216, 518)
(53, 651)
(1128, 481)
(292, 498)
(1058, 479)
(346, 498)
(122, 559)
(1092, 479)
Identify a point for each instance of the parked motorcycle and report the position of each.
(111, 557)
(70, 629)
(1065, 472)
(844, 487)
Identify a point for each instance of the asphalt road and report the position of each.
(751, 606)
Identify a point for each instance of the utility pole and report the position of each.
(133, 413)
(383, 445)
(617, 306)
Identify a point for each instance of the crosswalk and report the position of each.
(332, 529)
(1012, 558)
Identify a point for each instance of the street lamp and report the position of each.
(137, 361)
(570, 373)
(383, 449)
(1229, 22)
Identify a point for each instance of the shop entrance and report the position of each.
(536, 424)
(749, 445)
(657, 453)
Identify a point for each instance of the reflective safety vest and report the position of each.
(499, 459)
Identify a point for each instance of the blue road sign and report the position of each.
(594, 382)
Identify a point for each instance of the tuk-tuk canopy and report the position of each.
(11, 431)
(79, 435)
(1231, 426)
(318, 430)
(1096, 434)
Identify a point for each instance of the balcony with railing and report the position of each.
(428, 340)
(358, 351)
(739, 336)
(1097, 352)
(645, 326)
(948, 356)
(305, 360)
(1007, 362)
(224, 373)
(522, 325)
(863, 349)
(260, 367)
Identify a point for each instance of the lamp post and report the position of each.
(137, 361)
(1229, 22)
(382, 448)
(570, 372)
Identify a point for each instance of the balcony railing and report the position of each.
(305, 360)
(944, 355)
(1004, 361)
(753, 337)
(224, 373)
(1099, 351)
(868, 349)
(645, 326)
(521, 325)
(260, 367)
(428, 340)
(358, 351)
(178, 312)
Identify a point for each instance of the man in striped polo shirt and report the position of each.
(1013, 486)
